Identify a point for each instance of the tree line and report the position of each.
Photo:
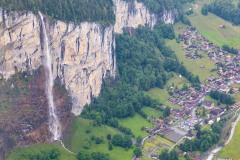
(66, 10)
(222, 97)
(225, 9)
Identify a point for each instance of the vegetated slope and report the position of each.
(66, 10)
(208, 26)
(143, 63)
(225, 9)
(158, 6)
(232, 149)
(41, 151)
(24, 110)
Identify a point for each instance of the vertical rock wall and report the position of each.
(82, 55)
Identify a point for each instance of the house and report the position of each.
(210, 122)
(154, 156)
(237, 79)
(208, 104)
(217, 111)
(169, 120)
(155, 129)
(190, 135)
(222, 26)
(224, 88)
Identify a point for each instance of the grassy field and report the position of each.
(231, 151)
(163, 140)
(208, 26)
(237, 97)
(211, 99)
(135, 124)
(193, 66)
(177, 81)
(161, 95)
(151, 112)
(77, 136)
(17, 154)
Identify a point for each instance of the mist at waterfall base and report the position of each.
(54, 124)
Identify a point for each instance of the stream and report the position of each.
(216, 150)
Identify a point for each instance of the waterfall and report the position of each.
(54, 124)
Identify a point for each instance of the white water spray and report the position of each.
(54, 124)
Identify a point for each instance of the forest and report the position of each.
(222, 97)
(101, 11)
(205, 138)
(66, 10)
(225, 9)
(144, 62)
(158, 6)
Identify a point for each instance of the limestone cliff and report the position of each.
(132, 14)
(82, 55)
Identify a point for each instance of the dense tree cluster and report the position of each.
(222, 97)
(48, 155)
(84, 155)
(205, 139)
(166, 155)
(230, 49)
(122, 141)
(67, 10)
(158, 6)
(225, 9)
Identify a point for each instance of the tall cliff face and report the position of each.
(132, 14)
(81, 55)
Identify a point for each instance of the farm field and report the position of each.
(193, 66)
(151, 112)
(78, 136)
(161, 95)
(177, 81)
(231, 151)
(18, 154)
(135, 124)
(208, 26)
(155, 145)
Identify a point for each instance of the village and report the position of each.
(183, 119)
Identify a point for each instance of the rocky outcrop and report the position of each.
(132, 14)
(82, 55)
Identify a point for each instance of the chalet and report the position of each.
(235, 90)
(216, 111)
(222, 26)
(190, 135)
(169, 120)
(237, 79)
(224, 88)
(208, 104)
(155, 129)
(210, 122)
(174, 100)
(210, 79)
(154, 156)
